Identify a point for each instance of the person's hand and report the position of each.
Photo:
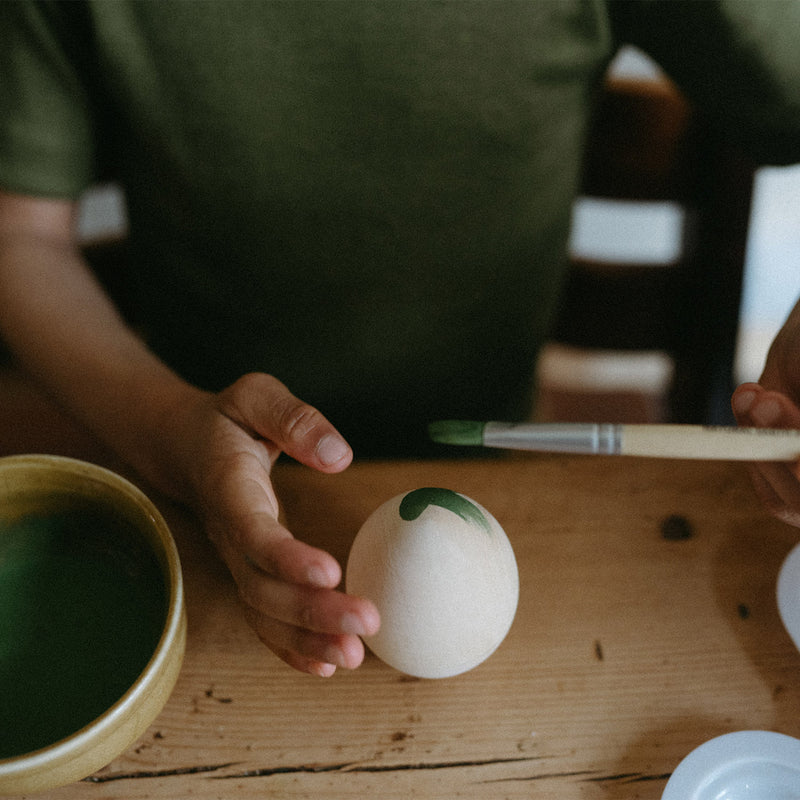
(214, 452)
(288, 588)
(774, 402)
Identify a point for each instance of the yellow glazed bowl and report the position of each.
(92, 620)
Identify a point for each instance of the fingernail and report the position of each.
(365, 625)
(331, 450)
(324, 670)
(766, 413)
(317, 576)
(743, 401)
(351, 623)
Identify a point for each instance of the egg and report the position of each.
(442, 573)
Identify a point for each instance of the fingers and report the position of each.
(326, 641)
(314, 653)
(286, 586)
(307, 607)
(295, 609)
(777, 485)
(778, 489)
(244, 525)
(263, 405)
(295, 562)
(313, 629)
(753, 405)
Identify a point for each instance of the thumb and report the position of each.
(265, 407)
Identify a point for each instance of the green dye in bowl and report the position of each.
(83, 602)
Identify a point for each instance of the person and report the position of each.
(351, 213)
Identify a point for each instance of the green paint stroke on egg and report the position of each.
(414, 503)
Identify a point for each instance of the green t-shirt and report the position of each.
(369, 200)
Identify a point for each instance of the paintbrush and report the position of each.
(657, 441)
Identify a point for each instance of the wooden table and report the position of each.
(630, 648)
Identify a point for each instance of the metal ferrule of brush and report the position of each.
(603, 439)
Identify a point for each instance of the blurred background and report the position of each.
(615, 384)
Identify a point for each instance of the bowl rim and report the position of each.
(174, 622)
(714, 759)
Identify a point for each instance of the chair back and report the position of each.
(669, 201)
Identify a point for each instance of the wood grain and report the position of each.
(647, 624)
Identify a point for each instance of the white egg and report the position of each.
(442, 573)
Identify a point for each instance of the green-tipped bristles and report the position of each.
(456, 431)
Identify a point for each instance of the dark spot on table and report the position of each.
(743, 611)
(676, 528)
(211, 696)
(598, 650)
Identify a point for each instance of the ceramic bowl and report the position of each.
(788, 595)
(744, 765)
(92, 620)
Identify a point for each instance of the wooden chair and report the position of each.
(647, 144)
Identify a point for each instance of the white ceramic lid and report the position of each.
(746, 765)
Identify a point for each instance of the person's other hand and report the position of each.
(774, 402)
(288, 588)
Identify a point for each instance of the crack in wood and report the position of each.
(546, 776)
(588, 776)
(266, 772)
(638, 777)
(351, 767)
(625, 777)
(585, 776)
(156, 773)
